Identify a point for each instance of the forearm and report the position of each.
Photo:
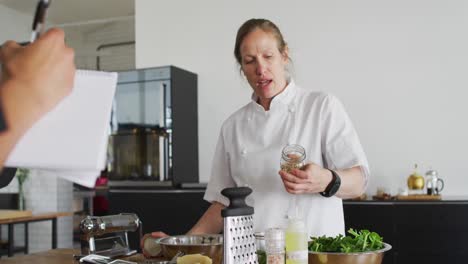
(211, 222)
(352, 182)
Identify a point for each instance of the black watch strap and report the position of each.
(333, 186)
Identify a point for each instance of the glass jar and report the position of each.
(260, 247)
(275, 241)
(292, 157)
(434, 184)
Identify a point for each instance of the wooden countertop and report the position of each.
(57, 256)
(33, 217)
(8, 214)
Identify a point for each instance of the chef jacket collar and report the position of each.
(285, 98)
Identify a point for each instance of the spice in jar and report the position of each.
(274, 242)
(260, 247)
(292, 157)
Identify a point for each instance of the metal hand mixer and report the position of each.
(239, 240)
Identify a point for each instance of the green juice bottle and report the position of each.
(296, 242)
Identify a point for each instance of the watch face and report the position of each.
(334, 185)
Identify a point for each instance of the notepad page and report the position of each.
(74, 135)
(81, 177)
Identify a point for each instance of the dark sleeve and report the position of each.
(7, 174)
(2, 121)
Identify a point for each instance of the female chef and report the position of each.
(279, 113)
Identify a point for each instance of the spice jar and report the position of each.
(260, 247)
(274, 242)
(292, 157)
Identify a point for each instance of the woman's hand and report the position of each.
(309, 179)
(153, 249)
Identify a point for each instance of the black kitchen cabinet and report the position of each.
(419, 232)
(171, 211)
(374, 217)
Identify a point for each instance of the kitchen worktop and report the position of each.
(445, 199)
(55, 256)
(58, 256)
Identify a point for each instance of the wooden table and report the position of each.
(26, 220)
(57, 256)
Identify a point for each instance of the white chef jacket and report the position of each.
(249, 148)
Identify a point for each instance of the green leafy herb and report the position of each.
(261, 255)
(357, 241)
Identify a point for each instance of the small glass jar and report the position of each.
(274, 242)
(292, 157)
(260, 247)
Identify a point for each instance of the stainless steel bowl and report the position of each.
(208, 245)
(370, 257)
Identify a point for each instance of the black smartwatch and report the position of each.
(333, 186)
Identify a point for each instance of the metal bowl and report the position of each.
(370, 257)
(208, 245)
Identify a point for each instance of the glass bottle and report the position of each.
(274, 241)
(292, 157)
(296, 242)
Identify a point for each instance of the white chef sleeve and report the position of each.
(220, 174)
(340, 142)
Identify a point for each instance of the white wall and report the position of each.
(398, 66)
(21, 31)
(46, 192)
(85, 38)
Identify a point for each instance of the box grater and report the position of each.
(239, 240)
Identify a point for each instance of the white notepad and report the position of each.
(72, 138)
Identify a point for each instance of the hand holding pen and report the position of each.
(39, 19)
(36, 77)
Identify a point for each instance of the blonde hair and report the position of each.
(258, 23)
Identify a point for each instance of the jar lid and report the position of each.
(259, 235)
(274, 234)
(275, 239)
(432, 173)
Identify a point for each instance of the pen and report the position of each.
(39, 19)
